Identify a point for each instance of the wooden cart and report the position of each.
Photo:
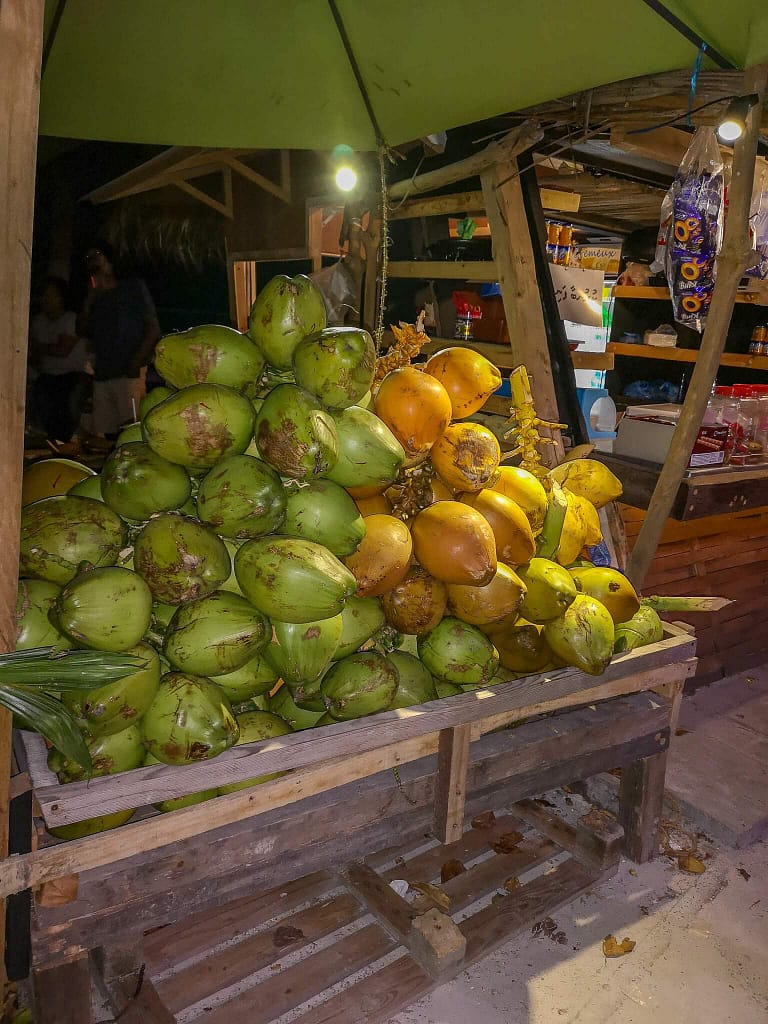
(195, 895)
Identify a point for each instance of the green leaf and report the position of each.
(66, 670)
(48, 716)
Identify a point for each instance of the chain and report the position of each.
(399, 781)
(378, 333)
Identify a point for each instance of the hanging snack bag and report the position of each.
(695, 229)
(758, 223)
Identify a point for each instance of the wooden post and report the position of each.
(21, 36)
(516, 270)
(451, 795)
(730, 266)
(641, 799)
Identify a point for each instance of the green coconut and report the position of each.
(107, 609)
(230, 584)
(189, 720)
(324, 513)
(308, 695)
(301, 652)
(137, 482)
(286, 311)
(89, 488)
(59, 533)
(415, 683)
(369, 454)
(214, 635)
(89, 827)
(242, 497)
(180, 559)
(583, 636)
(111, 708)
(253, 679)
(294, 434)
(110, 753)
(336, 365)
(298, 718)
(129, 434)
(200, 425)
(293, 580)
(153, 398)
(34, 600)
(209, 354)
(255, 726)
(361, 617)
(445, 689)
(361, 684)
(260, 703)
(458, 653)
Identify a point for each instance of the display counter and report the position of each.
(717, 545)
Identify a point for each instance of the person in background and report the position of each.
(120, 320)
(61, 359)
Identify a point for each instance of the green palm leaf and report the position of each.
(48, 716)
(66, 670)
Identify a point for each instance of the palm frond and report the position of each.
(48, 716)
(66, 670)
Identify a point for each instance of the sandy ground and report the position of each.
(701, 954)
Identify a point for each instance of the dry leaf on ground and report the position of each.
(612, 948)
(485, 820)
(507, 843)
(511, 884)
(692, 865)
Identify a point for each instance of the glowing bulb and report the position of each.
(730, 130)
(346, 178)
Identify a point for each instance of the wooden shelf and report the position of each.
(686, 355)
(500, 354)
(447, 270)
(701, 494)
(622, 291)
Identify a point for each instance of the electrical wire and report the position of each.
(680, 117)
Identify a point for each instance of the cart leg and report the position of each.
(451, 794)
(62, 994)
(641, 795)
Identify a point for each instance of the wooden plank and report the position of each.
(592, 360)
(451, 793)
(513, 253)
(173, 944)
(375, 999)
(393, 912)
(236, 962)
(489, 928)
(521, 138)
(661, 293)
(292, 987)
(21, 37)
(533, 694)
(641, 796)
(439, 206)
(50, 984)
(490, 874)
(444, 270)
(596, 843)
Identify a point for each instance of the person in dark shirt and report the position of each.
(120, 320)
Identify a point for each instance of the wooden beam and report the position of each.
(730, 266)
(513, 254)
(523, 137)
(21, 39)
(249, 174)
(203, 197)
(451, 795)
(444, 270)
(439, 206)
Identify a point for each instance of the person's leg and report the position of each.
(128, 393)
(106, 418)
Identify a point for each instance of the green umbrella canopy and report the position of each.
(274, 73)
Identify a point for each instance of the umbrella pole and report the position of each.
(21, 40)
(730, 266)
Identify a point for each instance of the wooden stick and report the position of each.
(451, 795)
(730, 266)
(440, 206)
(21, 36)
(517, 141)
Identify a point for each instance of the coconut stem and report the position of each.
(686, 604)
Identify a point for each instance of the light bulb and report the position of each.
(346, 178)
(730, 130)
